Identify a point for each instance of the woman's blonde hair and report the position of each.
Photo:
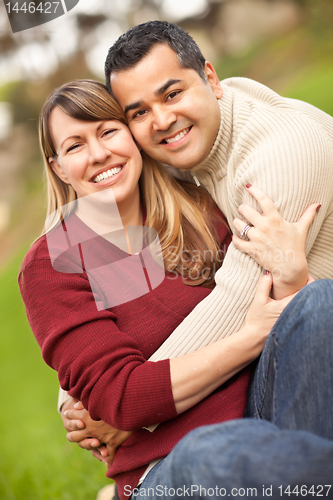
(182, 214)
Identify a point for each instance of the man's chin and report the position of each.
(183, 160)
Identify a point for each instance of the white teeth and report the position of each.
(107, 174)
(178, 137)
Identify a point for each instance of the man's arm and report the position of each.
(294, 175)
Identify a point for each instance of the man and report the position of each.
(227, 135)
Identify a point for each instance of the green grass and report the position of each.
(36, 461)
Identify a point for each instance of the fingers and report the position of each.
(73, 425)
(264, 287)
(79, 406)
(80, 436)
(242, 245)
(266, 204)
(100, 457)
(89, 444)
(239, 225)
(307, 218)
(74, 414)
(250, 214)
(106, 460)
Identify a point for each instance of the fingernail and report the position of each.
(318, 208)
(248, 185)
(76, 404)
(65, 413)
(266, 272)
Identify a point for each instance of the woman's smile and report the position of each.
(96, 155)
(107, 174)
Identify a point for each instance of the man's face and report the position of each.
(172, 113)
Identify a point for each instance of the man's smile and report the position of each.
(177, 136)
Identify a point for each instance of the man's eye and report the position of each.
(173, 94)
(139, 113)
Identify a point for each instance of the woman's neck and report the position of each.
(103, 215)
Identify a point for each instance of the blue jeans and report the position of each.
(286, 445)
(292, 385)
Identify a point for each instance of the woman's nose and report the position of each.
(98, 152)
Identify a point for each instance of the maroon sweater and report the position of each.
(101, 355)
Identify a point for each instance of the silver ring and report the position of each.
(245, 229)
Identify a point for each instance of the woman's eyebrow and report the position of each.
(70, 137)
(79, 136)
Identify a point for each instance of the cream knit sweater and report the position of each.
(285, 147)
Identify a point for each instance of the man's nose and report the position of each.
(163, 119)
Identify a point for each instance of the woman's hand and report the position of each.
(265, 311)
(277, 245)
(96, 436)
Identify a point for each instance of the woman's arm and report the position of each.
(194, 376)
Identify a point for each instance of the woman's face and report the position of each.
(92, 156)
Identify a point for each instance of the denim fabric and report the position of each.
(243, 458)
(293, 382)
(287, 442)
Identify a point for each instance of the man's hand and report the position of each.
(96, 436)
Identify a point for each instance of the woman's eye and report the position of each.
(73, 148)
(108, 132)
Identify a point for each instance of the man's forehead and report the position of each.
(159, 65)
(150, 78)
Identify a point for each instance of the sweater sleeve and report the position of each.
(96, 362)
(289, 155)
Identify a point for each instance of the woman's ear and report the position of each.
(57, 169)
(213, 80)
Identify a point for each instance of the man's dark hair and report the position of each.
(135, 44)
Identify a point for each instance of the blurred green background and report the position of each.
(285, 44)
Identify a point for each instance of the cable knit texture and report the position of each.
(285, 147)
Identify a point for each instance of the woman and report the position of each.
(101, 352)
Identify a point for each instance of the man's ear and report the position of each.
(213, 80)
(57, 169)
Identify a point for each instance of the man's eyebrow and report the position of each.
(134, 105)
(158, 92)
(165, 87)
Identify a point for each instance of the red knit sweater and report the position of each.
(101, 355)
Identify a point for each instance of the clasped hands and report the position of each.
(97, 436)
